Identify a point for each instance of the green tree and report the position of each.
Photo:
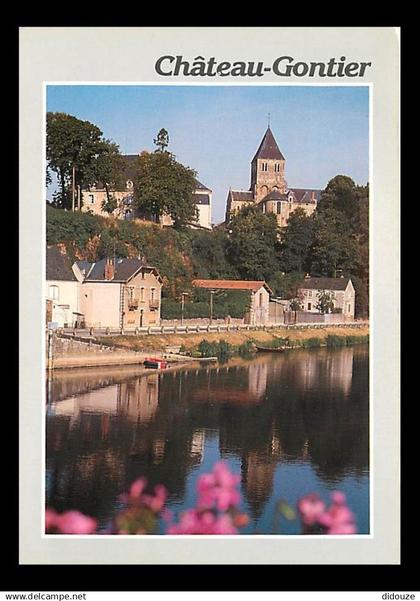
(334, 250)
(286, 285)
(296, 242)
(254, 244)
(164, 186)
(325, 303)
(340, 194)
(210, 254)
(296, 305)
(161, 141)
(79, 145)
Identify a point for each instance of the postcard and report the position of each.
(209, 295)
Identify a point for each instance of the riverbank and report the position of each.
(190, 343)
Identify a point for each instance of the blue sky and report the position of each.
(321, 131)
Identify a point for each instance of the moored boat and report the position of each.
(269, 349)
(155, 363)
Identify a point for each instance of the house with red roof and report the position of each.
(259, 291)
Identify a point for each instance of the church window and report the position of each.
(309, 306)
(277, 167)
(278, 208)
(91, 199)
(264, 167)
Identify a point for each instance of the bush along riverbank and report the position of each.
(223, 350)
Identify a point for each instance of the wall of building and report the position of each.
(93, 200)
(259, 311)
(269, 180)
(343, 299)
(308, 317)
(142, 306)
(100, 304)
(66, 303)
(204, 215)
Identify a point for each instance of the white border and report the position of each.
(121, 55)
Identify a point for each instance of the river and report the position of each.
(289, 424)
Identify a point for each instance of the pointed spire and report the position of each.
(268, 149)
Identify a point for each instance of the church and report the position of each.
(269, 190)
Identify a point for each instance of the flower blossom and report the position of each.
(203, 522)
(69, 522)
(337, 519)
(218, 489)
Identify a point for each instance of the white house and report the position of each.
(62, 290)
(341, 291)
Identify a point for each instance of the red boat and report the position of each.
(155, 363)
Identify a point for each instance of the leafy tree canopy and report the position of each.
(254, 245)
(164, 186)
(296, 242)
(72, 142)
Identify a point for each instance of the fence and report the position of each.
(302, 317)
(188, 329)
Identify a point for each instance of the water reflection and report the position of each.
(304, 409)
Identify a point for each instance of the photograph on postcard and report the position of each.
(206, 310)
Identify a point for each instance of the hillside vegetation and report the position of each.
(332, 242)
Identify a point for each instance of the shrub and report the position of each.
(311, 342)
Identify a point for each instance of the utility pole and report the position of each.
(183, 295)
(73, 191)
(211, 306)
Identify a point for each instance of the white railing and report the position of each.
(194, 329)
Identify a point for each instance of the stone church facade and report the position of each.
(269, 189)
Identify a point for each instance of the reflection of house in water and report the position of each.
(258, 467)
(221, 385)
(257, 379)
(139, 398)
(197, 446)
(135, 399)
(334, 370)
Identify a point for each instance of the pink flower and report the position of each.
(75, 522)
(339, 498)
(137, 487)
(218, 489)
(311, 509)
(205, 522)
(337, 519)
(51, 519)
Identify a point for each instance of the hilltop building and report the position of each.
(94, 197)
(269, 190)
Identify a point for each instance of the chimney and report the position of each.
(109, 270)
